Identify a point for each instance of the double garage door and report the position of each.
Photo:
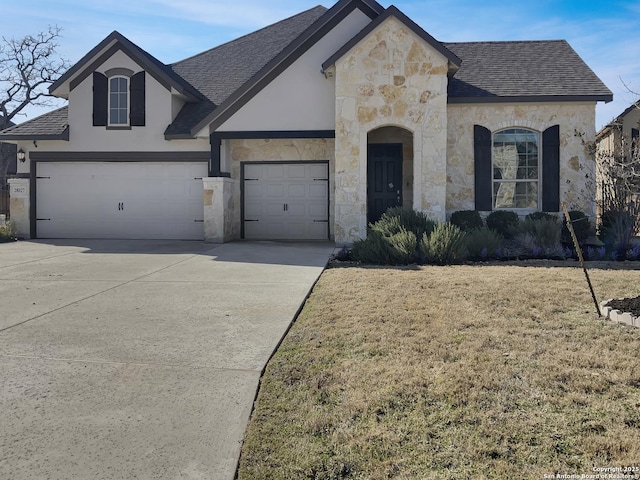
(286, 201)
(131, 200)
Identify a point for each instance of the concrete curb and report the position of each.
(616, 316)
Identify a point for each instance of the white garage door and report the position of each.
(130, 200)
(286, 201)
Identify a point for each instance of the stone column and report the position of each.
(219, 209)
(20, 206)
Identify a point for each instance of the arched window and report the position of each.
(119, 101)
(515, 159)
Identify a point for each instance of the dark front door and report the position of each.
(384, 178)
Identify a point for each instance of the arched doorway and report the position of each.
(389, 170)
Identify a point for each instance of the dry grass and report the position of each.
(493, 371)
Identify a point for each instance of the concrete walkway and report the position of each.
(139, 359)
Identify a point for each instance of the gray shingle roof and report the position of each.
(219, 72)
(489, 72)
(50, 126)
(548, 68)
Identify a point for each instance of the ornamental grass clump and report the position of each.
(398, 219)
(445, 245)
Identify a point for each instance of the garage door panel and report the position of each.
(288, 200)
(275, 190)
(120, 200)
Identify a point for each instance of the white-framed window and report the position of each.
(119, 101)
(516, 166)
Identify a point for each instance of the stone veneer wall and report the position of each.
(289, 149)
(20, 205)
(577, 167)
(391, 78)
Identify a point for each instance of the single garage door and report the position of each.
(129, 200)
(286, 201)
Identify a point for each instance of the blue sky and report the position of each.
(605, 34)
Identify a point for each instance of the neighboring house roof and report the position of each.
(546, 70)
(50, 126)
(617, 121)
(218, 82)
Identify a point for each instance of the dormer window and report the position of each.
(118, 101)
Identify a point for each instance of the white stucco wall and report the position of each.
(160, 108)
(301, 98)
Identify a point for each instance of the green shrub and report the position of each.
(541, 216)
(7, 232)
(397, 219)
(467, 220)
(445, 245)
(484, 243)
(398, 249)
(505, 222)
(581, 227)
(540, 238)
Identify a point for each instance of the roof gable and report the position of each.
(290, 52)
(392, 11)
(105, 50)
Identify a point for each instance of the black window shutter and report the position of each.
(137, 88)
(100, 99)
(551, 169)
(483, 171)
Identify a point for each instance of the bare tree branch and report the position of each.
(28, 66)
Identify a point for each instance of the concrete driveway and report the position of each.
(139, 359)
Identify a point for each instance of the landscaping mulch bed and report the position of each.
(631, 305)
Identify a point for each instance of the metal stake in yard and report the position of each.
(580, 257)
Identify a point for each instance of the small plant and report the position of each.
(484, 243)
(467, 220)
(505, 222)
(7, 233)
(581, 227)
(445, 245)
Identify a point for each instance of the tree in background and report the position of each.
(28, 66)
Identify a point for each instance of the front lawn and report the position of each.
(472, 371)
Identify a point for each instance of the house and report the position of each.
(617, 153)
(306, 129)
(625, 128)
